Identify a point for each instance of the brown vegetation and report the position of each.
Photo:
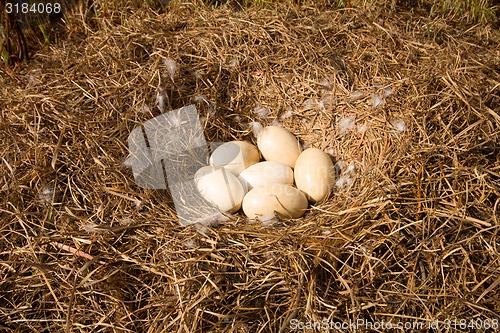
(411, 236)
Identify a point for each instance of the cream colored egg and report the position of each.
(235, 156)
(261, 202)
(220, 187)
(314, 174)
(266, 173)
(278, 144)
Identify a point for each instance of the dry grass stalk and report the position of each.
(413, 236)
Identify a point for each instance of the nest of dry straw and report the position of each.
(410, 234)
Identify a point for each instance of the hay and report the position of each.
(410, 234)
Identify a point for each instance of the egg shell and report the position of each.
(235, 156)
(266, 173)
(314, 174)
(220, 187)
(263, 201)
(278, 144)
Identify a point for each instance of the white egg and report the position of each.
(278, 144)
(266, 173)
(314, 174)
(263, 201)
(220, 187)
(235, 156)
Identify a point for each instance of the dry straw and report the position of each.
(412, 237)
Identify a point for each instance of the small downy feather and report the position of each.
(399, 124)
(260, 111)
(377, 101)
(346, 123)
(161, 99)
(171, 67)
(256, 128)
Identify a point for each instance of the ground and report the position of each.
(407, 103)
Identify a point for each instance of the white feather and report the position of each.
(377, 101)
(260, 111)
(346, 123)
(399, 124)
(256, 128)
(171, 67)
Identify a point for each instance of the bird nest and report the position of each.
(408, 105)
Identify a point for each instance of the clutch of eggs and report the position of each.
(236, 178)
